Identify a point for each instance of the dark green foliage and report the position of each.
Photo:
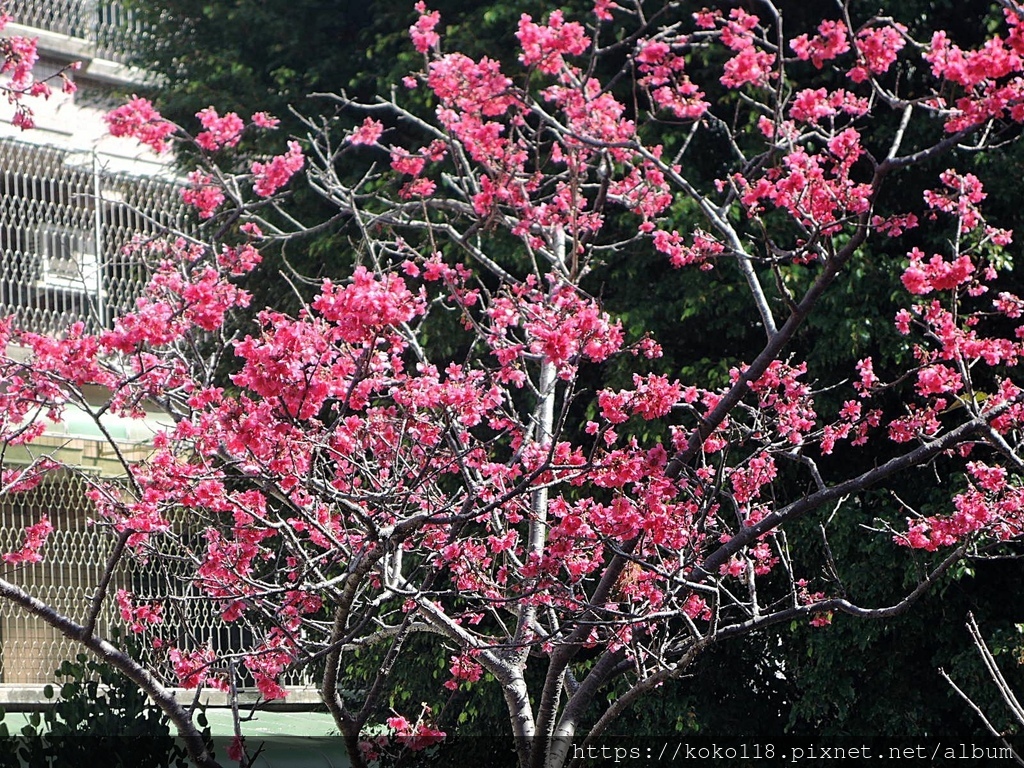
(242, 54)
(97, 716)
(882, 678)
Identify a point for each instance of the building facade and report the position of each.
(71, 199)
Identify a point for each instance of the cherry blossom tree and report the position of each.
(353, 488)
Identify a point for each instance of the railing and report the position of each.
(107, 25)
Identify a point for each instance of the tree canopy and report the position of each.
(567, 410)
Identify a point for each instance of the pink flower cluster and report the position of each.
(817, 104)
(545, 45)
(877, 50)
(815, 189)
(367, 133)
(218, 132)
(267, 661)
(989, 78)
(366, 307)
(402, 734)
(664, 76)
(936, 274)
(35, 537)
(780, 392)
(138, 119)
(203, 194)
(562, 327)
(705, 247)
(138, 618)
(194, 668)
(269, 177)
(961, 197)
(340, 441)
(806, 597)
(750, 65)
(19, 56)
(995, 507)
(422, 32)
(463, 669)
(830, 42)
(652, 397)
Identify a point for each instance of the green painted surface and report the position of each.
(122, 429)
(288, 739)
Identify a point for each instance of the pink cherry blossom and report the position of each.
(269, 177)
(219, 132)
(367, 133)
(545, 45)
(422, 32)
(35, 537)
(203, 194)
(139, 120)
(547, 482)
(830, 42)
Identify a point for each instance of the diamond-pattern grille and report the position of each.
(75, 556)
(31, 649)
(107, 24)
(64, 224)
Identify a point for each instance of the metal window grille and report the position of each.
(75, 556)
(31, 649)
(64, 224)
(106, 24)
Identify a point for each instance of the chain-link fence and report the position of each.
(64, 225)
